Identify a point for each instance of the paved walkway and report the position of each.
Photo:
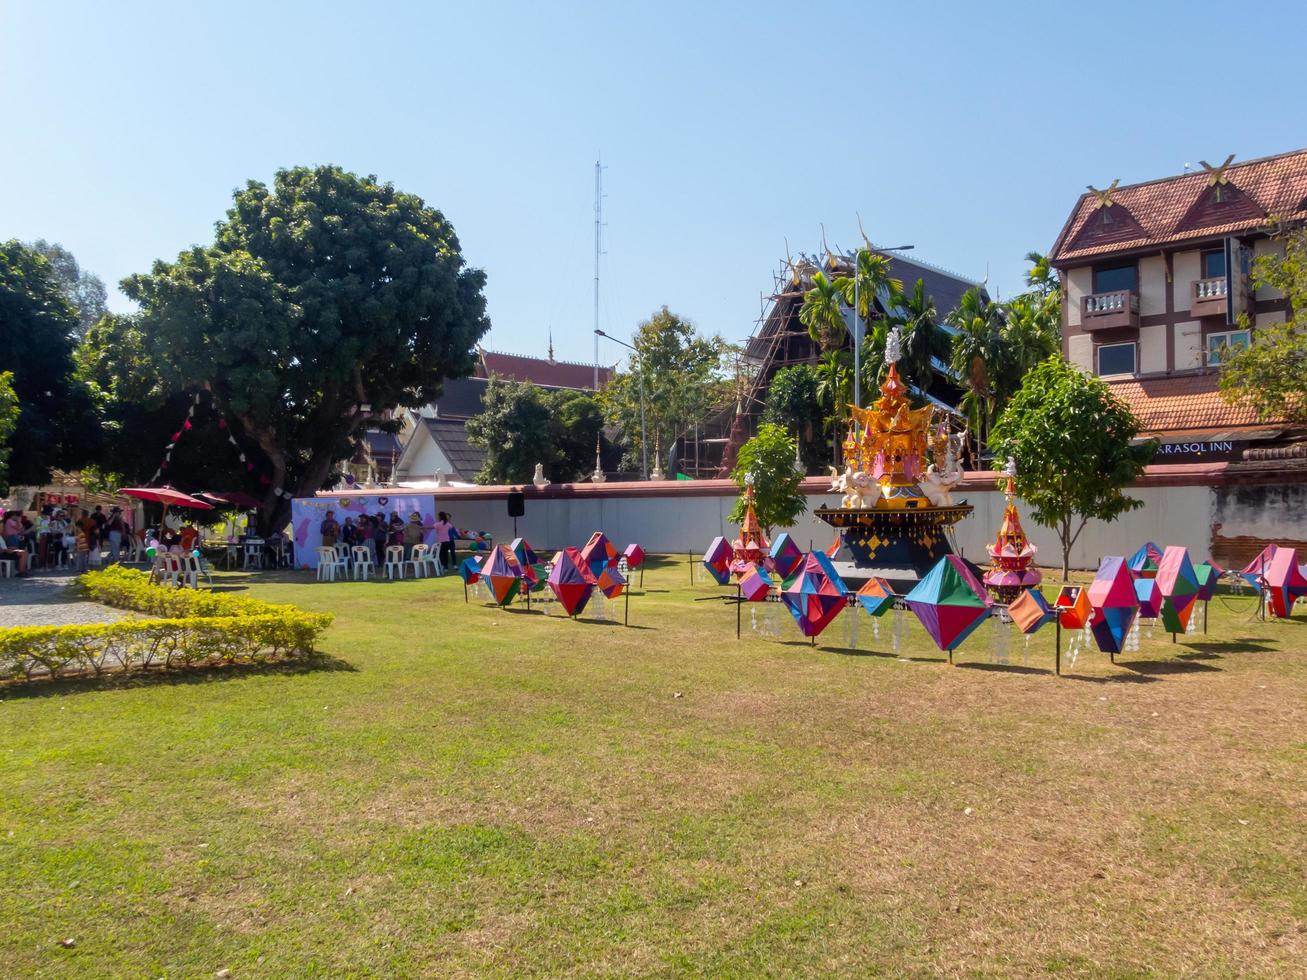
(42, 600)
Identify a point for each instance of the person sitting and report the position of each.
(15, 549)
(189, 535)
(349, 532)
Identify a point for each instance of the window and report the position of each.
(1218, 343)
(1213, 263)
(1116, 359)
(1114, 278)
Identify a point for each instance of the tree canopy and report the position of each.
(793, 401)
(321, 302)
(8, 424)
(1071, 439)
(84, 290)
(1271, 373)
(685, 376)
(768, 458)
(37, 326)
(521, 425)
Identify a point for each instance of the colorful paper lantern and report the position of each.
(523, 553)
(1073, 608)
(570, 580)
(755, 583)
(785, 556)
(469, 570)
(815, 595)
(535, 576)
(1255, 570)
(1284, 581)
(634, 555)
(1149, 597)
(717, 559)
(599, 553)
(1143, 563)
(611, 582)
(876, 596)
(502, 574)
(1207, 577)
(1115, 605)
(1030, 610)
(1179, 587)
(950, 602)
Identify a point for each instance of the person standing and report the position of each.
(116, 527)
(84, 542)
(445, 539)
(379, 537)
(330, 530)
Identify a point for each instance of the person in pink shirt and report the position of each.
(445, 532)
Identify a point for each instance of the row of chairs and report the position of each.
(341, 561)
(179, 570)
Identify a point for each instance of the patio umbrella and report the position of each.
(236, 498)
(165, 495)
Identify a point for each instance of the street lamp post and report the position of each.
(644, 446)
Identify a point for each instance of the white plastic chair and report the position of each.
(253, 555)
(363, 564)
(418, 559)
(172, 570)
(327, 564)
(394, 561)
(193, 566)
(343, 556)
(7, 568)
(432, 560)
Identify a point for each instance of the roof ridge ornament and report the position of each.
(1216, 176)
(1104, 197)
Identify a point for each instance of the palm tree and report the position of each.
(822, 313)
(1041, 277)
(1031, 334)
(870, 284)
(977, 357)
(834, 381)
(921, 337)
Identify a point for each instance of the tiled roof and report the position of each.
(1182, 402)
(1185, 207)
(460, 398)
(451, 436)
(538, 370)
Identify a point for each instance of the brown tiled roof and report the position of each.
(1184, 207)
(538, 370)
(1182, 402)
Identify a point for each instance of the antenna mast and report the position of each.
(599, 238)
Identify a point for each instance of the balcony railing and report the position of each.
(1104, 311)
(1207, 297)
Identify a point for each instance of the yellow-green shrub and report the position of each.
(200, 628)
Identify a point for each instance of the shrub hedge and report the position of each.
(197, 628)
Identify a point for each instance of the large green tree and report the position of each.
(322, 301)
(8, 424)
(1271, 373)
(768, 460)
(84, 290)
(793, 401)
(521, 425)
(56, 424)
(685, 377)
(1072, 442)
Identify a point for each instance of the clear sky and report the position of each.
(966, 129)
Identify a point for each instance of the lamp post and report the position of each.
(644, 446)
(857, 319)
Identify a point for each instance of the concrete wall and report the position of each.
(680, 524)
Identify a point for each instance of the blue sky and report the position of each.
(965, 129)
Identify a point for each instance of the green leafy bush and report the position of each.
(199, 628)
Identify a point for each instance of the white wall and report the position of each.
(1079, 283)
(1171, 515)
(427, 457)
(1186, 266)
(1152, 285)
(1188, 345)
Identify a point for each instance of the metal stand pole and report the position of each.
(465, 590)
(690, 556)
(737, 611)
(1057, 649)
(1206, 603)
(626, 610)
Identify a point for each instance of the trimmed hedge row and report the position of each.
(200, 628)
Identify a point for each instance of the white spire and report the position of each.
(893, 348)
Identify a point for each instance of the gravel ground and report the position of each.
(42, 600)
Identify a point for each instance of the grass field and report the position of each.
(455, 789)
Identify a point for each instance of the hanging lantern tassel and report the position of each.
(899, 629)
(1000, 639)
(1132, 640)
(753, 617)
(1025, 651)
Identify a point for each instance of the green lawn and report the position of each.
(456, 790)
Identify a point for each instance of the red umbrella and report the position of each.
(165, 495)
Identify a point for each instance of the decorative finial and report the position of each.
(748, 479)
(893, 346)
(598, 475)
(1011, 468)
(551, 345)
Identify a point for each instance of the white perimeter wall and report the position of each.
(1170, 515)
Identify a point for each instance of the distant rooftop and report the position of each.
(542, 371)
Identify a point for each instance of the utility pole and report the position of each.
(599, 240)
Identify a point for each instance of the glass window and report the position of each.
(1218, 343)
(1113, 278)
(1213, 263)
(1116, 359)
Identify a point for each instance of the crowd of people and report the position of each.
(53, 536)
(377, 532)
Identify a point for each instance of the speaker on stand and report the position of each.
(516, 507)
